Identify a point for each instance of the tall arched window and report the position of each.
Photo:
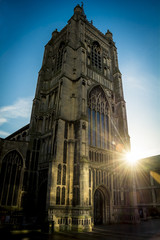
(65, 152)
(64, 175)
(98, 118)
(10, 176)
(76, 175)
(59, 175)
(89, 177)
(60, 55)
(96, 56)
(89, 196)
(58, 195)
(63, 196)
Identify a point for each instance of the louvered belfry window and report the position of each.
(96, 56)
(60, 55)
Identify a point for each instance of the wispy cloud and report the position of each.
(2, 120)
(3, 133)
(20, 109)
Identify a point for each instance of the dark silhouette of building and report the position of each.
(67, 165)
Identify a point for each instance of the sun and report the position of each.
(132, 157)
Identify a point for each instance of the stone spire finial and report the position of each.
(109, 34)
(54, 33)
(79, 9)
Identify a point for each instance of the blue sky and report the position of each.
(25, 28)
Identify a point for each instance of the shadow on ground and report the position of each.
(145, 230)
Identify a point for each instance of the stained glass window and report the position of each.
(10, 178)
(98, 130)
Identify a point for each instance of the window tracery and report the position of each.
(60, 55)
(96, 56)
(98, 126)
(10, 176)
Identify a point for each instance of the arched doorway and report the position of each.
(101, 206)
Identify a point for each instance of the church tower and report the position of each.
(78, 129)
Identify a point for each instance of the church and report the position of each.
(66, 167)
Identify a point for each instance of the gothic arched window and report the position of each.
(76, 196)
(58, 195)
(59, 175)
(89, 196)
(65, 152)
(96, 56)
(63, 196)
(89, 177)
(76, 175)
(60, 55)
(10, 177)
(64, 175)
(98, 118)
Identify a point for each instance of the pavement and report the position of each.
(149, 230)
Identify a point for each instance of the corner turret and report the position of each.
(109, 35)
(78, 10)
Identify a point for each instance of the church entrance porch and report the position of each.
(101, 206)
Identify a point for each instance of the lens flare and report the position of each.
(132, 158)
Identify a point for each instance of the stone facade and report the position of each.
(79, 116)
(13, 171)
(73, 170)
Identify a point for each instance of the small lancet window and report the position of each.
(58, 196)
(65, 152)
(59, 175)
(89, 196)
(64, 175)
(89, 177)
(63, 196)
(105, 71)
